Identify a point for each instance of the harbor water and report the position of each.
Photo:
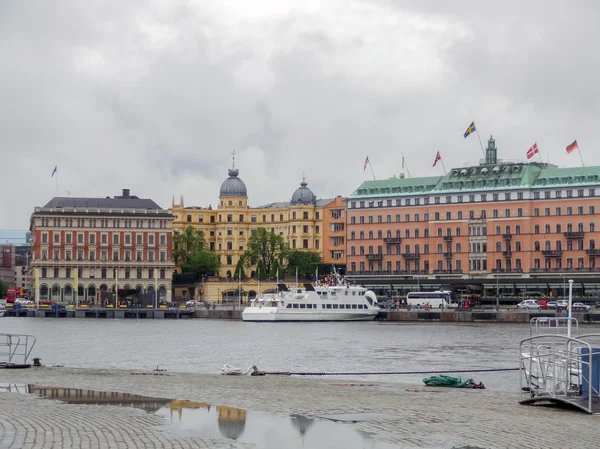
(204, 346)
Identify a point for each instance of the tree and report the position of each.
(190, 253)
(187, 244)
(265, 247)
(307, 262)
(203, 262)
(3, 288)
(239, 272)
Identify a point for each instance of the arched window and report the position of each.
(458, 248)
(458, 231)
(536, 246)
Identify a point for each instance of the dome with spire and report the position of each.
(233, 186)
(303, 195)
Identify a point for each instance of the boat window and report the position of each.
(335, 306)
(289, 306)
(309, 306)
(354, 306)
(346, 293)
(296, 306)
(348, 306)
(323, 306)
(329, 306)
(333, 294)
(353, 293)
(303, 306)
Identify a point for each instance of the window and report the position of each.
(519, 212)
(115, 255)
(56, 238)
(536, 212)
(115, 239)
(547, 211)
(92, 239)
(517, 229)
(558, 211)
(591, 210)
(558, 228)
(495, 213)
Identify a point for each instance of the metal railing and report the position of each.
(15, 348)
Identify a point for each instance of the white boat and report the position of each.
(339, 302)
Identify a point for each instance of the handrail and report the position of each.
(16, 345)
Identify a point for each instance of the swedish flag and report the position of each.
(470, 130)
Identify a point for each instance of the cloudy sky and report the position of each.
(155, 95)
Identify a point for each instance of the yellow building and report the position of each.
(227, 228)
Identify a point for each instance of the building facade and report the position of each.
(334, 232)
(82, 246)
(227, 227)
(7, 265)
(500, 225)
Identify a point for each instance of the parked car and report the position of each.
(530, 304)
(581, 306)
(551, 304)
(562, 303)
(24, 302)
(193, 303)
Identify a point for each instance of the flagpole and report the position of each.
(580, 157)
(405, 164)
(443, 166)
(540, 154)
(480, 144)
(371, 165)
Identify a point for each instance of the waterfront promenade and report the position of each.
(422, 417)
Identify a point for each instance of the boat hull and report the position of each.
(274, 314)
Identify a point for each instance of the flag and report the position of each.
(54, 171)
(572, 147)
(366, 162)
(532, 151)
(437, 158)
(470, 130)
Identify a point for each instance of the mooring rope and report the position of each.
(487, 370)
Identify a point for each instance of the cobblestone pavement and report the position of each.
(427, 417)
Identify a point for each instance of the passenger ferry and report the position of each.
(314, 303)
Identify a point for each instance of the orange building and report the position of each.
(334, 231)
(498, 225)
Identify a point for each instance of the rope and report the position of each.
(490, 370)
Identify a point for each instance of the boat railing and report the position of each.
(15, 348)
(554, 325)
(561, 369)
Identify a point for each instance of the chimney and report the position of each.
(125, 193)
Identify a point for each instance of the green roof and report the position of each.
(481, 178)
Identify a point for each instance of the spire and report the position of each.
(173, 201)
(491, 152)
(181, 200)
(233, 157)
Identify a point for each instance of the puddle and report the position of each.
(184, 419)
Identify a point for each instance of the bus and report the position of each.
(441, 299)
(11, 295)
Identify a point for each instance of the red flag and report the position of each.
(532, 151)
(572, 147)
(437, 158)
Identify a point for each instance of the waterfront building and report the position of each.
(499, 225)
(227, 227)
(334, 232)
(88, 245)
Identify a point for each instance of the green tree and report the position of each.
(239, 272)
(203, 262)
(187, 244)
(266, 248)
(3, 288)
(306, 262)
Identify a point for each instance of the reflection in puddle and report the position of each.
(186, 419)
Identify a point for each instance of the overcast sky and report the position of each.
(154, 97)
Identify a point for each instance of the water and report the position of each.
(204, 346)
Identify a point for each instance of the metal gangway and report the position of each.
(15, 350)
(559, 366)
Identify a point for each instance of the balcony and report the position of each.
(447, 271)
(374, 256)
(392, 240)
(506, 270)
(411, 255)
(507, 236)
(506, 253)
(593, 251)
(448, 254)
(447, 238)
(574, 235)
(552, 253)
